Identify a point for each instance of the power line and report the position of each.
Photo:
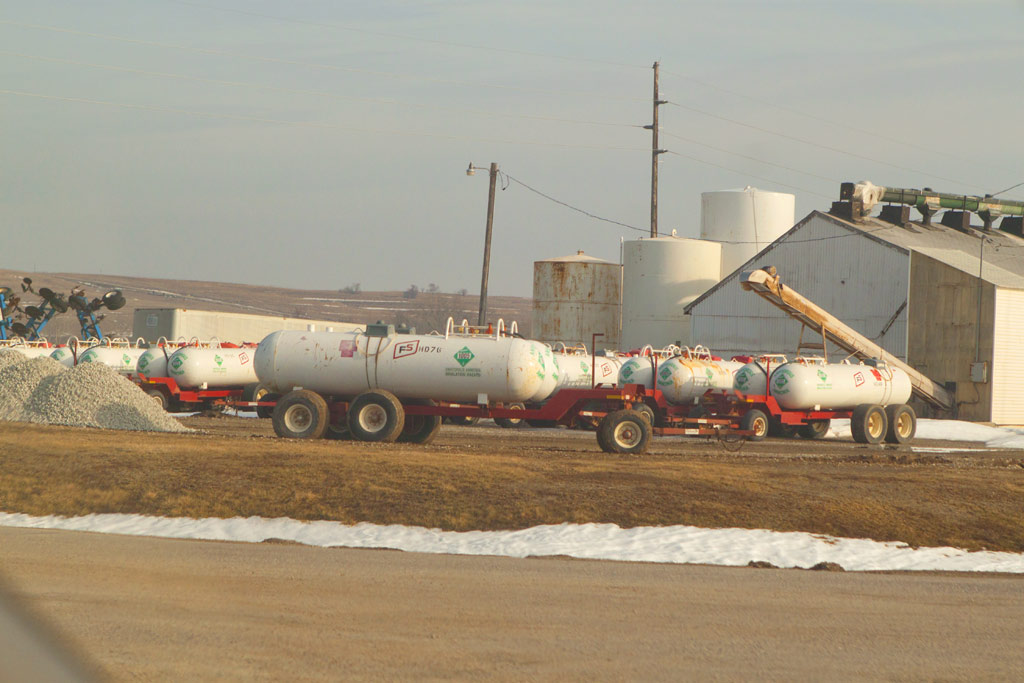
(429, 41)
(1012, 187)
(816, 144)
(821, 119)
(748, 175)
(570, 206)
(308, 124)
(646, 230)
(745, 156)
(318, 93)
(316, 65)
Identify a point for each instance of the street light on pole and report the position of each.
(482, 317)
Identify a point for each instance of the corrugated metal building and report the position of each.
(912, 288)
(182, 323)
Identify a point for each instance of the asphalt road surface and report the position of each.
(157, 609)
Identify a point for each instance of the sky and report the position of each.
(319, 144)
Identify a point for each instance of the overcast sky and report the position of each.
(320, 143)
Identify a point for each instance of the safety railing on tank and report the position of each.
(464, 329)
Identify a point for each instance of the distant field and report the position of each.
(426, 311)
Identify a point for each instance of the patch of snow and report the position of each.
(672, 544)
(949, 430)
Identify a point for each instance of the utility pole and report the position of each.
(482, 317)
(655, 152)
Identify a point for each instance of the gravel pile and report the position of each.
(88, 395)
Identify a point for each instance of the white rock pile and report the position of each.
(89, 395)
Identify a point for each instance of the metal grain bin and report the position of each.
(574, 297)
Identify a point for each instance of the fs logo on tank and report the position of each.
(407, 348)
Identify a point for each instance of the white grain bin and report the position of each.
(574, 297)
(660, 276)
(744, 222)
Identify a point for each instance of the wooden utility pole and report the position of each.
(482, 317)
(655, 152)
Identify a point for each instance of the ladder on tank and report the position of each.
(766, 284)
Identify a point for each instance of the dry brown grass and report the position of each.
(488, 479)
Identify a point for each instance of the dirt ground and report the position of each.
(490, 478)
(155, 609)
(158, 609)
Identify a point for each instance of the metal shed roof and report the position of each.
(1003, 251)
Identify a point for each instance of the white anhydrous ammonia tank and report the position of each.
(120, 358)
(682, 379)
(744, 222)
(213, 368)
(456, 368)
(576, 370)
(153, 361)
(837, 386)
(30, 350)
(637, 370)
(64, 355)
(660, 276)
(752, 378)
(575, 297)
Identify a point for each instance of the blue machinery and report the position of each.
(53, 303)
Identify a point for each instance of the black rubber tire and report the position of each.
(301, 414)
(376, 415)
(19, 329)
(254, 392)
(511, 422)
(463, 420)
(160, 397)
(46, 293)
(757, 422)
(78, 302)
(869, 423)
(34, 312)
(782, 431)
(267, 412)
(338, 432)
(114, 299)
(902, 423)
(815, 429)
(624, 431)
(59, 304)
(420, 428)
(647, 412)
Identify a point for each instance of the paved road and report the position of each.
(156, 609)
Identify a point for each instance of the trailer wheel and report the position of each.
(338, 431)
(646, 412)
(511, 422)
(266, 412)
(815, 429)
(783, 431)
(420, 428)
(463, 420)
(376, 415)
(755, 421)
(902, 423)
(869, 423)
(301, 414)
(624, 431)
(160, 397)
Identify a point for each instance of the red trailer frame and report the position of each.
(625, 418)
(173, 398)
